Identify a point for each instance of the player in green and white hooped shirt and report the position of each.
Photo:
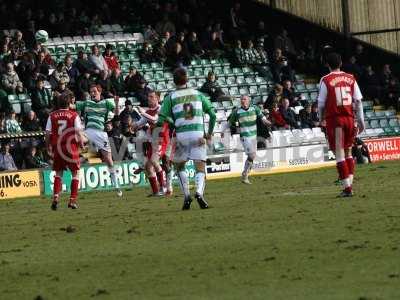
(96, 113)
(184, 108)
(246, 117)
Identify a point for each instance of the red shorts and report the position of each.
(66, 158)
(148, 149)
(341, 132)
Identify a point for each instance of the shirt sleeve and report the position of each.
(259, 114)
(48, 125)
(80, 106)
(77, 123)
(356, 92)
(141, 122)
(322, 95)
(165, 114)
(110, 104)
(209, 109)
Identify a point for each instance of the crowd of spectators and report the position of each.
(175, 34)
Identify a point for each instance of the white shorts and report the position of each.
(249, 144)
(98, 139)
(189, 151)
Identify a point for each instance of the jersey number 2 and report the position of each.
(343, 95)
(62, 124)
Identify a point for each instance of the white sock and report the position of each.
(351, 179)
(183, 182)
(200, 181)
(346, 182)
(169, 176)
(113, 177)
(248, 165)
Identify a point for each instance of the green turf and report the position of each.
(284, 237)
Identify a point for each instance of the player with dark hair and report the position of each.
(64, 136)
(96, 113)
(184, 108)
(338, 100)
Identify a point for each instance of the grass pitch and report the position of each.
(284, 237)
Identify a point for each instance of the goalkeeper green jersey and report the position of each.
(185, 109)
(96, 114)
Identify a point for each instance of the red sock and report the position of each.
(350, 165)
(161, 178)
(153, 184)
(74, 189)
(57, 186)
(343, 170)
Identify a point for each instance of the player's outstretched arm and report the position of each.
(358, 107)
(47, 137)
(165, 114)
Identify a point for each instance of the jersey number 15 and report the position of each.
(343, 96)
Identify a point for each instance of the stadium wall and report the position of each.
(375, 22)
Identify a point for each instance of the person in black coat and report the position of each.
(211, 88)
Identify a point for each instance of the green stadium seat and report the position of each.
(228, 71)
(219, 147)
(390, 113)
(250, 80)
(389, 131)
(168, 76)
(396, 130)
(237, 71)
(263, 89)
(227, 104)
(240, 80)
(300, 87)
(368, 105)
(369, 114)
(221, 81)
(380, 114)
(253, 90)
(233, 91)
(394, 122)
(384, 123)
(159, 75)
(367, 125)
(374, 124)
(244, 91)
(231, 81)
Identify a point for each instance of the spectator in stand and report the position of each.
(6, 160)
(284, 42)
(274, 97)
(278, 122)
(30, 122)
(150, 35)
(194, 46)
(60, 89)
(361, 56)
(289, 93)
(12, 125)
(211, 88)
(238, 53)
(105, 82)
(3, 122)
(42, 64)
(237, 21)
(132, 81)
(215, 46)
(41, 101)
(127, 113)
(261, 33)
(117, 83)
(181, 39)
(371, 85)
(34, 160)
(10, 81)
(83, 85)
(392, 94)
(250, 54)
(288, 114)
(280, 67)
(262, 55)
(315, 114)
(111, 58)
(353, 67)
(160, 51)
(60, 74)
(386, 76)
(83, 64)
(18, 44)
(25, 68)
(5, 53)
(142, 93)
(72, 70)
(177, 58)
(98, 60)
(305, 116)
(146, 54)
